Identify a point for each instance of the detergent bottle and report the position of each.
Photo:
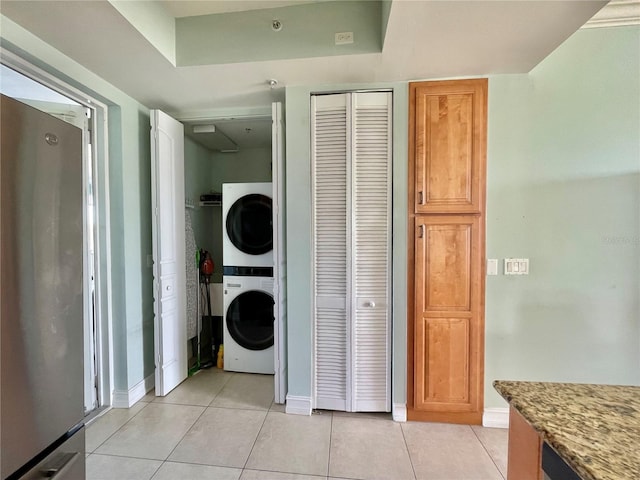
(221, 357)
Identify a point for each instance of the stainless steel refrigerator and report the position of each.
(41, 396)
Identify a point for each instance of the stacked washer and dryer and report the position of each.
(247, 257)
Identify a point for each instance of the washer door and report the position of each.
(250, 320)
(250, 224)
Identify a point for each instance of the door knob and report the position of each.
(370, 304)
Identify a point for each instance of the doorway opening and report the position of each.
(32, 86)
(218, 152)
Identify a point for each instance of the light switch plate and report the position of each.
(516, 266)
(492, 266)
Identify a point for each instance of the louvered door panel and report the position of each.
(371, 250)
(329, 149)
(351, 149)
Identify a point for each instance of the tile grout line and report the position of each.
(169, 404)
(157, 469)
(406, 445)
(485, 449)
(204, 409)
(222, 388)
(330, 438)
(255, 440)
(117, 429)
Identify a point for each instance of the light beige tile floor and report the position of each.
(224, 426)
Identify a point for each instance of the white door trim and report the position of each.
(104, 296)
(279, 255)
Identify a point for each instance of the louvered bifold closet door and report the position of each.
(329, 146)
(371, 251)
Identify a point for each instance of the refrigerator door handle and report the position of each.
(62, 465)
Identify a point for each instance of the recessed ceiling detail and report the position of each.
(423, 40)
(304, 31)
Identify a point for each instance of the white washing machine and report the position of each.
(248, 319)
(247, 224)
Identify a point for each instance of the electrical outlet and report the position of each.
(344, 38)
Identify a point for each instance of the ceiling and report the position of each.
(424, 39)
(231, 134)
(192, 8)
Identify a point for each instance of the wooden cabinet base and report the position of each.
(525, 449)
(464, 418)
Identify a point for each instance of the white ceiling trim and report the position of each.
(618, 13)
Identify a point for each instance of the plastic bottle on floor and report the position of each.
(221, 357)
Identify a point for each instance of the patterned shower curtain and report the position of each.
(192, 277)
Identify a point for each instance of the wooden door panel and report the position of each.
(448, 163)
(447, 335)
(449, 136)
(445, 350)
(448, 267)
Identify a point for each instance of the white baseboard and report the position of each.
(127, 398)
(399, 412)
(495, 418)
(298, 405)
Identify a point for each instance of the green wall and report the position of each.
(307, 31)
(564, 191)
(198, 163)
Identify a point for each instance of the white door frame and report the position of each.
(279, 254)
(100, 167)
(280, 384)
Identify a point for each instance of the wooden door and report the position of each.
(446, 252)
(447, 331)
(449, 145)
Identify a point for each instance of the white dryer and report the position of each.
(247, 224)
(248, 319)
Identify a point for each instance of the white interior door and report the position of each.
(371, 251)
(331, 236)
(351, 157)
(169, 270)
(279, 256)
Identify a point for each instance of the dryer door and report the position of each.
(250, 320)
(250, 224)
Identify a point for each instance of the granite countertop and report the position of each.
(594, 428)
